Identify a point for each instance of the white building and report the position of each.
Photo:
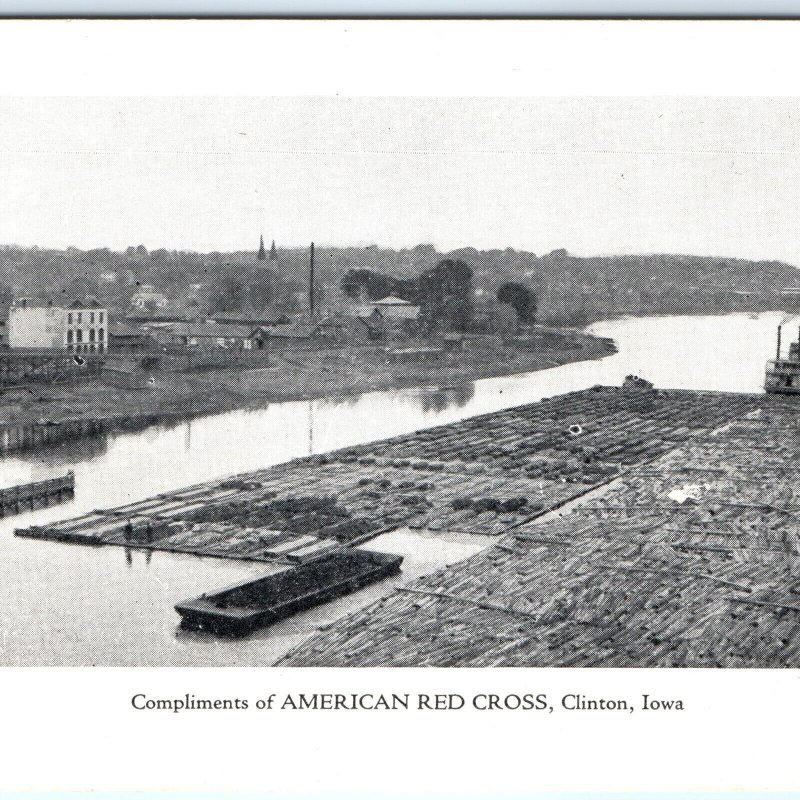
(390, 308)
(82, 327)
(147, 296)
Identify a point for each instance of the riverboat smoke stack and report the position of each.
(778, 351)
(311, 284)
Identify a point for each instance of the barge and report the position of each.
(244, 607)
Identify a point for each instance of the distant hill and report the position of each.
(571, 290)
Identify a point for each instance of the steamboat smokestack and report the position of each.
(311, 284)
(778, 352)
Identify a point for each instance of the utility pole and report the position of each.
(311, 284)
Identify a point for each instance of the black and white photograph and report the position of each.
(400, 381)
(467, 348)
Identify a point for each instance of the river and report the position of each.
(73, 605)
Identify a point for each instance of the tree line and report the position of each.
(445, 294)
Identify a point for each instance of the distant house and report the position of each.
(163, 334)
(215, 334)
(341, 328)
(148, 297)
(294, 332)
(79, 327)
(390, 308)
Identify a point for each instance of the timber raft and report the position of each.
(39, 494)
(634, 527)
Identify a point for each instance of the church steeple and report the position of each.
(262, 253)
(273, 253)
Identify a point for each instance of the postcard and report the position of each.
(455, 363)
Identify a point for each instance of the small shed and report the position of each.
(129, 338)
(215, 334)
(293, 334)
(343, 329)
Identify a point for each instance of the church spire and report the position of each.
(262, 253)
(273, 253)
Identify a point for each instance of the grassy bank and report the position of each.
(289, 375)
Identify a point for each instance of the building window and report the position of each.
(91, 348)
(79, 317)
(79, 333)
(91, 318)
(69, 337)
(100, 317)
(91, 334)
(69, 319)
(101, 333)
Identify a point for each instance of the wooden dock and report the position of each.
(39, 494)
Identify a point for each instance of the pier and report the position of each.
(39, 494)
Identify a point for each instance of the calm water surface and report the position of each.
(73, 605)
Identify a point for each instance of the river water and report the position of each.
(72, 605)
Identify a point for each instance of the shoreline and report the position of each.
(44, 415)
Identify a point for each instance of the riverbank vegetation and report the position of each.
(294, 375)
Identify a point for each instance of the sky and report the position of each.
(705, 176)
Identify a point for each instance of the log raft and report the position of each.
(678, 563)
(676, 540)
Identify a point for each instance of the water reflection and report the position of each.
(130, 553)
(725, 353)
(62, 604)
(438, 400)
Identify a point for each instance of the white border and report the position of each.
(433, 58)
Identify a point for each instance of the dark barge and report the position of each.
(39, 493)
(240, 609)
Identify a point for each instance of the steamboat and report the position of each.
(783, 373)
